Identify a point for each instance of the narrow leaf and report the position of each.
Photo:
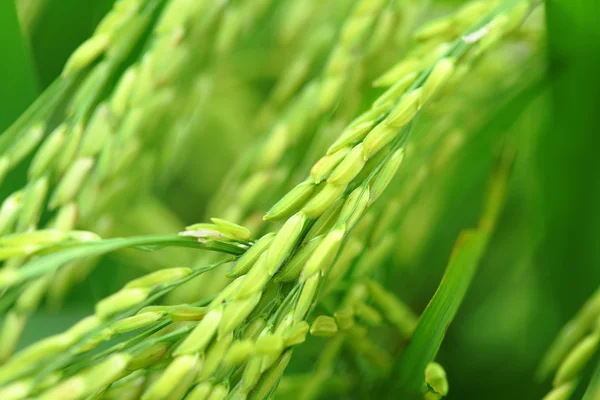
(440, 311)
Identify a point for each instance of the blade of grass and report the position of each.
(440, 312)
(462, 266)
(573, 59)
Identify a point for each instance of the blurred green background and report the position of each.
(544, 260)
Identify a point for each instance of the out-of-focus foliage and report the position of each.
(498, 188)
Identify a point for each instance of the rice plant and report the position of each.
(297, 199)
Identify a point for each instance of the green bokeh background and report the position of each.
(544, 260)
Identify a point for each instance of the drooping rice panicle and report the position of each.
(102, 138)
(254, 187)
(268, 264)
(299, 114)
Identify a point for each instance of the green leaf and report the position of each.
(440, 312)
(573, 51)
(462, 266)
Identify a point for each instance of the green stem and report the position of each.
(51, 262)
